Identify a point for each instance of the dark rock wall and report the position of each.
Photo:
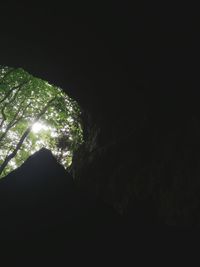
(39, 201)
(137, 75)
(152, 169)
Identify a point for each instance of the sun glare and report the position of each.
(38, 127)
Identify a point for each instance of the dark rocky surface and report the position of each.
(136, 74)
(39, 201)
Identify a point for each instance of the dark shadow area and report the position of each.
(39, 201)
(134, 72)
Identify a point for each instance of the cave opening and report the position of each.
(35, 114)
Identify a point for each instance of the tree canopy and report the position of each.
(35, 114)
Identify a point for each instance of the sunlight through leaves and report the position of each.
(35, 114)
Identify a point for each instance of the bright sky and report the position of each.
(38, 126)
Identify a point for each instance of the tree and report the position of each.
(35, 114)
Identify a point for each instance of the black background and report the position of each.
(116, 60)
(102, 54)
(95, 52)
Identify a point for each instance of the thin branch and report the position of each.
(13, 121)
(11, 101)
(24, 136)
(18, 119)
(19, 87)
(3, 115)
(7, 73)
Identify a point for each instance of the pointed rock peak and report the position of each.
(42, 160)
(40, 168)
(42, 153)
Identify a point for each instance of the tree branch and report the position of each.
(3, 115)
(7, 73)
(24, 136)
(11, 101)
(12, 89)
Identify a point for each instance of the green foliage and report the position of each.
(35, 114)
